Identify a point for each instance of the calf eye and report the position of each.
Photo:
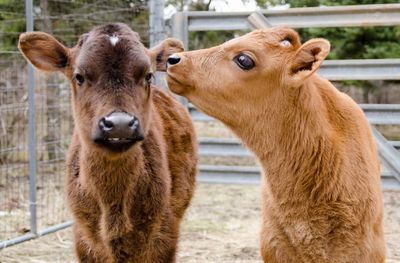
(149, 77)
(79, 79)
(286, 43)
(244, 62)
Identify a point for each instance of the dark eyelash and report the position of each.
(288, 38)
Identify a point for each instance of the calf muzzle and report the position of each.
(118, 131)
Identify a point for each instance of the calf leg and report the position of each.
(85, 253)
(166, 243)
(275, 247)
(167, 255)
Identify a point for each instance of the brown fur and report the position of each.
(322, 200)
(127, 205)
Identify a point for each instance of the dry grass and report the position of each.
(222, 225)
(14, 206)
(212, 129)
(228, 160)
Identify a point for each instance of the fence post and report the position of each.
(156, 21)
(179, 30)
(179, 23)
(157, 33)
(31, 127)
(257, 20)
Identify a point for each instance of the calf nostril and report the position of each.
(173, 59)
(108, 123)
(133, 122)
(105, 124)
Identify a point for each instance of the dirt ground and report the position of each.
(221, 226)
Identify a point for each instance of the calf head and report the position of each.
(110, 72)
(227, 80)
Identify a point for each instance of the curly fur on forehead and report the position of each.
(116, 29)
(114, 32)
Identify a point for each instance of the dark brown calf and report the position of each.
(132, 161)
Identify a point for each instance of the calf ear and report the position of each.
(160, 53)
(43, 51)
(308, 59)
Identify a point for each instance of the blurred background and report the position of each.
(223, 223)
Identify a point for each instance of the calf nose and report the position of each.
(119, 125)
(173, 59)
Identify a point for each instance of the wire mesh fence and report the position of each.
(66, 20)
(13, 147)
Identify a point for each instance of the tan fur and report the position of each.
(322, 200)
(127, 205)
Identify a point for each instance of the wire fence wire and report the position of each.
(66, 20)
(53, 128)
(14, 201)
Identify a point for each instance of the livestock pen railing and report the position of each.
(30, 160)
(368, 69)
(31, 205)
(35, 112)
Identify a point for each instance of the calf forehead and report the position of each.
(265, 37)
(275, 35)
(113, 50)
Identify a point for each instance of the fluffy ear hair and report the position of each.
(308, 58)
(160, 53)
(43, 51)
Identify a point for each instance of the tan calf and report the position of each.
(132, 162)
(322, 200)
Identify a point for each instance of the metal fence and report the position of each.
(31, 171)
(35, 113)
(35, 120)
(339, 16)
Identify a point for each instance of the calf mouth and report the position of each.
(171, 78)
(176, 85)
(118, 144)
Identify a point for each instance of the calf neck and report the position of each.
(132, 160)
(322, 200)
